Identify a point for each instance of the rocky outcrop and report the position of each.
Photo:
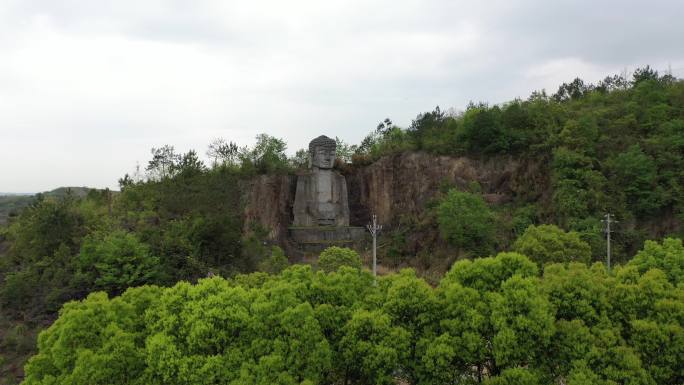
(393, 186)
(403, 184)
(268, 201)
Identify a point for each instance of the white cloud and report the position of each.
(554, 72)
(88, 87)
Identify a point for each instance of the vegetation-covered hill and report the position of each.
(12, 204)
(616, 147)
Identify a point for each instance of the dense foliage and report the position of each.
(616, 147)
(466, 221)
(548, 243)
(182, 222)
(12, 204)
(334, 257)
(494, 320)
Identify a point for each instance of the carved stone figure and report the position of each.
(321, 195)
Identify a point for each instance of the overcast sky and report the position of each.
(87, 87)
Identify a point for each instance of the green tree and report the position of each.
(235, 334)
(514, 376)
(494, 317)
(491, 320)
(577, 186)
(371, 348)
(578, 292)
(667, 256)
(164, 161)
(222, 152)
(46, 225)
(344, 151)
(275, 263)
(118, 260)
(189, 164)
(636, 175)
(604, 322)
(523, 323)
(572, 91)
(644, 74)
(660, 346)
(459, 349)
(487, 274)
(300, 160)
(412, 305)
(95, 341)
(483, 131)
(39, 270)
(548, 243)
(335, 257)
(267, 155)
(466, 221)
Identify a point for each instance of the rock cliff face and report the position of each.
(392, 186)
(403, 184)
(268, 201)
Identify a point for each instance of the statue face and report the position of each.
(323, 158)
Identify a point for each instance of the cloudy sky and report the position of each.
(87, 87)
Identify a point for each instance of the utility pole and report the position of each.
(374, 229)
(608, 221)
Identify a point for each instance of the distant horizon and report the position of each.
(5, 194)
(9, 193)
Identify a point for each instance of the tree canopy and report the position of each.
(494, 319)
(466, 221)
(548, 243)
(335, 257)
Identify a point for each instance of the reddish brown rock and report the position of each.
(393, 186)
(403, 184)
(268, 203)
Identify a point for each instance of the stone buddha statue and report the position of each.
(321, 196)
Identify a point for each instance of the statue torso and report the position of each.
(321, 199)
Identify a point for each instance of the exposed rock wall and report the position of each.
(268, 201)
(404, 183)
(391, 186)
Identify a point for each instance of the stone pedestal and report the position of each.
(316, 239)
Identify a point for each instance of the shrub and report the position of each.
(334, 257)
(465, 221)
(548, 243)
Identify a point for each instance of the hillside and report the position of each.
(12, 203)
(532, 176)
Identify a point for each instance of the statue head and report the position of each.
(322, 152)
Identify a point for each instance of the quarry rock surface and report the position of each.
(392, 186)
